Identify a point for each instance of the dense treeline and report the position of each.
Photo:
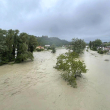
(44, 40)
(98, 46)
(94, 44)
(15, 46)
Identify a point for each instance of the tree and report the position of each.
(70, 66)
(3, 47)
(32, 43)
(95, 44)
(22, 48)
(90, 44)
(9, 44)
(53, 49)
(78, 45)
(10, 41)
(69, 63)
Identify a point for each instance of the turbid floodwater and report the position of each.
(36, 85)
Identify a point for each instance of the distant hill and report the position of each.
(44, 40)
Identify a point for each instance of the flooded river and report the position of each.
(36, 85)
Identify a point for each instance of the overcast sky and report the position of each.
(66, 19)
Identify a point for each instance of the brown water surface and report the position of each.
(36, 85)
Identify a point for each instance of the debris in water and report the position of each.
(106, 60)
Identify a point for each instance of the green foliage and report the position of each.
(53, 49)
(71, 67)
(24, 56)
(32, 43)
(94, 48)
(90, 44)
(95, 44)
(105, 51)
(11, 40)
(78, 45)
(49, 48)
(69, 63)
(102, 52)
(38, 49)
(3, 46)
(25, 47)
(87, 50)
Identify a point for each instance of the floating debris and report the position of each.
(106, 60)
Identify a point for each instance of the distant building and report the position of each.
(47, 45)
(104, 48)
(39, 47)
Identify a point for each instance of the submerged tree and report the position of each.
(90, 43)
(78, 45)
(53, 49)
(69, 63)
(71, 67)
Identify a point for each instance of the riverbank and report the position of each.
(36, 85)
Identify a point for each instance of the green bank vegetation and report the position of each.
(94, 44)
(98, 46)
(18, 47)
(15, 46)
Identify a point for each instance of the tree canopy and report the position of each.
(78, 45)
(11, 41)
(94, 44)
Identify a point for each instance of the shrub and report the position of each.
(38, 49)
(100, 51)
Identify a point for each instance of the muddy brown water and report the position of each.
(36, 85)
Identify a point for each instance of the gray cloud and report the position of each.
(85, 19)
